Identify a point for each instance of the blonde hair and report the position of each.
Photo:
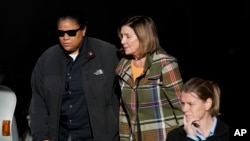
(146, 32)
(205, 89)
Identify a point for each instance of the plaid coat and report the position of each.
(151, 101)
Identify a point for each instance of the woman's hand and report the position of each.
(190, 124)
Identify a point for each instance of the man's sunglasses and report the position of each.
(61, 33)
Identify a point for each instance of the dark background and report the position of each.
(210, 40)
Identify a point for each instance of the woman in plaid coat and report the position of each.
(150, 82)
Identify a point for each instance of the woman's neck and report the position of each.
(206, 125)
(139, 63)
